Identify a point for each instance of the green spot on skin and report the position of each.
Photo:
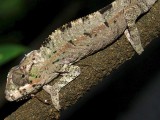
(49, 56)
(54, 51)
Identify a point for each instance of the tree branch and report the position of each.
(93, 68)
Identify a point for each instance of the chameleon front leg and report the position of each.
(131, 33)
(69, 73)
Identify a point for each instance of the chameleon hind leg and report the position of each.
(131, 32)
(69, 73)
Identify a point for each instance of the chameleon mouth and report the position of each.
(12, 96)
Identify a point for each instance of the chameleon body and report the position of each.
(72, 42)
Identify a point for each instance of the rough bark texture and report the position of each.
(93, 68)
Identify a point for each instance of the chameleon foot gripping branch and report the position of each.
(72, 42)
(71, 73)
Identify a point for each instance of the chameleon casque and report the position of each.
(72, 42)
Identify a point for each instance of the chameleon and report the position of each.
(71, 43)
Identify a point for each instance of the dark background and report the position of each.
(129, 93)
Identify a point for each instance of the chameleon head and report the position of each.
(19, 85)
(20, 82)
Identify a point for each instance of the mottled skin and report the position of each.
(72, 42)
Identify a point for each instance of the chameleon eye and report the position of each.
(23, 75)
(19, 78)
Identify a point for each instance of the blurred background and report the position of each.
(129, 93)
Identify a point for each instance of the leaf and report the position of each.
(10, 51)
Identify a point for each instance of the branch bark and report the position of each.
(93, 68)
